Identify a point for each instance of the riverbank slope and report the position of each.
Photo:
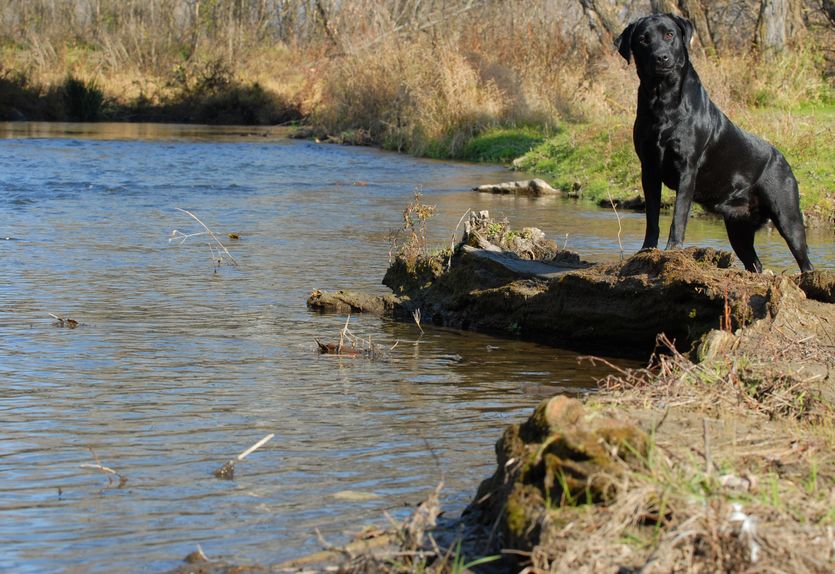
(716, 457)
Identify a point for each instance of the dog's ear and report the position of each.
(624, 42)
(686, 27)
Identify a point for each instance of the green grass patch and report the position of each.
(502, 145)
(597, 158)
(592, 158)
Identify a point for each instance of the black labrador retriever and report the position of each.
(686, 142)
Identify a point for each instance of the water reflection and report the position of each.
(175, 368)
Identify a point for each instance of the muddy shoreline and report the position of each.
(717, 456)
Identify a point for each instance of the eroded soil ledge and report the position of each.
(526, 286)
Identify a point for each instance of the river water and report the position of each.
(175, 368)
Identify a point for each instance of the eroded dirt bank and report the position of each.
(518, 283)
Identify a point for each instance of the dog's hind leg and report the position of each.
(779, 195)
(795, 236)
(785, 213)
(741, 235)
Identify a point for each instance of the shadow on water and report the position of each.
(175, 368)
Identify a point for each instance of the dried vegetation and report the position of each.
(727, 468)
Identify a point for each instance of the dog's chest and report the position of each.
(669, 137)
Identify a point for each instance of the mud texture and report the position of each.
(521, 284)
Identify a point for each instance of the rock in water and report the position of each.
(532, 187)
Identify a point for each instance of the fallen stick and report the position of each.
(104, 469)
(227, 471)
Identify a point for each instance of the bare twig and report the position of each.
(342, 334)
(416, 317)
(64, 321)
(182, 237)
(708, 456)
(452, 245)
(104, 469)
(227, 471)
(620, 227)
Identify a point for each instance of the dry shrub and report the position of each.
(782, 80)
(408, 95)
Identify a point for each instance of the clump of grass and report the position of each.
(83, 101)
(420, 96)
(502, 145)
(592, 159)
(721, 384)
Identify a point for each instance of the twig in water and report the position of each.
(217, 256)
(620, 227)
(416, 317)
(565, 244)
(452, 245)
(104, 469)
(342, 334)
(64, 321)
(227, 471)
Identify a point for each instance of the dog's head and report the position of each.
(658, 42)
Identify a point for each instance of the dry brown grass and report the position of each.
(721, 385)
(417, 76)
(739, 478)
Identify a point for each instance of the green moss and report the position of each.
(516, 519)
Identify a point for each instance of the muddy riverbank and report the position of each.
(518, 283)
(716, 457)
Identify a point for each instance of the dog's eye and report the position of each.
(668, 36)
(643, 40)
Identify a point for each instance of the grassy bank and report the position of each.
(207, 92)
(573, 127)
(595, 159)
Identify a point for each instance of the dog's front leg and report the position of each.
(681, 210)
(651, 182)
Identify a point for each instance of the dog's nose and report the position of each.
(662, 59)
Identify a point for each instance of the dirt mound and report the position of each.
(519, 283)
(563, 453)
(682, 467)
(621, 306)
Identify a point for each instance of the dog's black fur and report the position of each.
(686, 142)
